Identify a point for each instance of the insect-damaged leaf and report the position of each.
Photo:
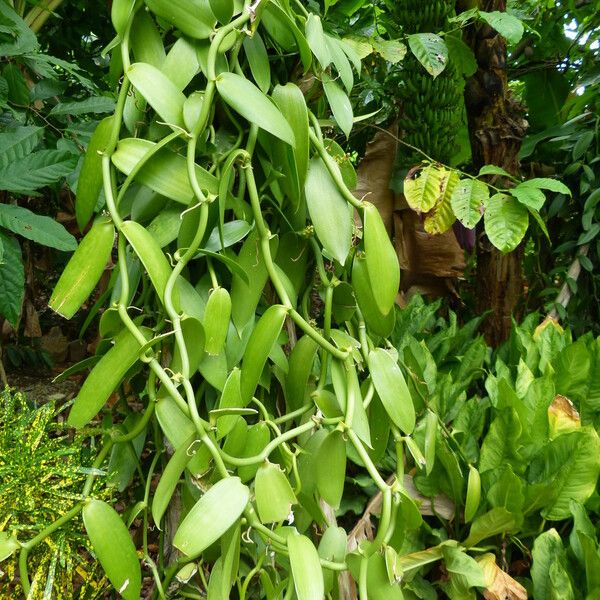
(431, 51)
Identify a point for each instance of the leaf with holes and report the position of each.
(430, 50)
(468, 200)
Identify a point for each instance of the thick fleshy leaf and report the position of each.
(382, 260)
(231, 397)
(192, 17)
(170, 478)
(259, 347)
(181, 64)
(339, 103)
(149, 252)
(317, 41)
(89, 183)
(331, 468)
(247, 100)
(274, 494)
(37, 228)
(160, 92)
(329, 211)
(216, 320)
(104, 379)
(84, 269)
(165, 172)
(468, 200)
(258, 59)
(300, 367)
(216, 511)
(306, 568)
(377, 322)
(114, 548)
(431, 51)
(506, 222)
(119, 14)
(12, 279)
(391, 388)
(473, 493)
(222, 9)
(146, 41)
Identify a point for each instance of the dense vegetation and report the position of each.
(271, 409)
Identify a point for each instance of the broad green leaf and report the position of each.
(165, 172)
(12, 279)
(37, 228)
(16, 144)
(430, 50)
(274, 494)
(259, 346)
(170, 478)
(506, 222)
(331, 468)
(8, 545)
(381, 257)
(222, 9)
(113, 547)
(392, 390)
(546, 183)
(84, 269)
(160, 92)
(494, 170)
(216, 320)
(216, 511)
(493, 522)
(459, 563)
(125, 458)
(316, 40)
(332, 547)
(547, 548)
(300, 367)
(461, 55)
(258, 59)
(89, 182)
(426, 188)
(473, 493)
(468, 201)
(341, 62)
(329, 211)
(95, 104)
(339, 103)
(191, 17)
(37, 170)
(247, 100)
(500, 445)
(343, 162)
(392, 51)
(233, 232)
(507, 25)
(149, 252)
(306, 568)
(104, 378)
(571, 462)
(529, 196)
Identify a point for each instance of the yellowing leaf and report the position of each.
(499, 585)
(424, 189)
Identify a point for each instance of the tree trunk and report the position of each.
(496, 129)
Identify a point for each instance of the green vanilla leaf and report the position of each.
(113, 547)
(216, 511)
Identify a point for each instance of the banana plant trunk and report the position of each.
(496, 129)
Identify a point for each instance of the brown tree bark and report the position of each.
(496, 129)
